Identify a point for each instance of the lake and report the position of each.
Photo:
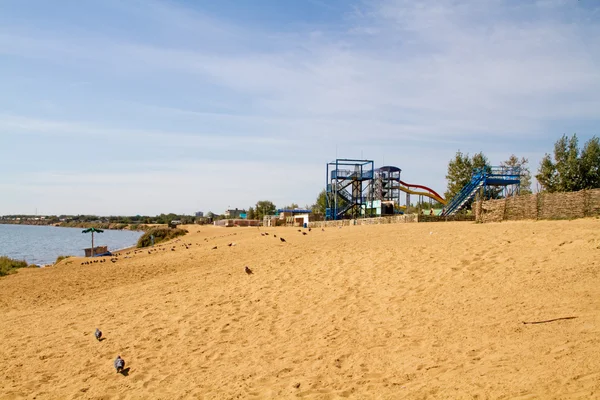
(43, 244)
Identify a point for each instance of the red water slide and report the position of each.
(409, 185)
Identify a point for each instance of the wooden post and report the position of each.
(92, 243)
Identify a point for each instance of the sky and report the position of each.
(113, 107)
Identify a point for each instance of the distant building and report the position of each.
(235, 214)
(199, 214)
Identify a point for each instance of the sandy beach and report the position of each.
(415, 311)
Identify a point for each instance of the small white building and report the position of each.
(301, 219)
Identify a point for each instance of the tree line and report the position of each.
(568, 169)
(571, 169)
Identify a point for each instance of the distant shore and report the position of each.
(85, 225)
(41, 244)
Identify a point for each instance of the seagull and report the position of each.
(248, 270)
(262, 234)
(309, 229)
(304, 233)
(267, 233)
(282, 239)
(214, 248)
(322, 229)
(119, 364)
(230, 244)
(98, 334)
(299, 230)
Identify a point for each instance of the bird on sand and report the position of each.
(267, 233)
(282, 239)
(322, 229)
(309, 229)
(304, 233)
(248, 270)
(98, 334)
(299, 230)
(119, 364)
(214, 248)
(230, 244)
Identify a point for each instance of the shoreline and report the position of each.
(85, 225)
(26, 247)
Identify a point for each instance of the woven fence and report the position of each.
(570, 205)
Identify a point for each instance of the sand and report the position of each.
(415, 311)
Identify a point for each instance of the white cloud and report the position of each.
(412, 81)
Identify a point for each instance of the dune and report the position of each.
(429, 310)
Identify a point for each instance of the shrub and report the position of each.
(60, 258)
(8, 265)
(160, 235)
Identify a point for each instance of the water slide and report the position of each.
(430, 192)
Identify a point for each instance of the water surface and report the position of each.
(42, 244)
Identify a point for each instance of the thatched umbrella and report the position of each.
(93, 230)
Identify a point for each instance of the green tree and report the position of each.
(321, 203)
(264, 207)
(459, 173)
(479, 161)
(291, 206)
(547, 176)
(514, 162)
(566, 154)
(571, 170)
(590, 164)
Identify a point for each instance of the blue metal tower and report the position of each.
(349, 186)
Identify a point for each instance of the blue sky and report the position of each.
(150, 106)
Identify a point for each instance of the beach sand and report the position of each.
(415, 311)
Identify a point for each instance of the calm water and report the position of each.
(42, 244)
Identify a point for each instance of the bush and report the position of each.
(60, 258)
(160, 235)
(8, 265)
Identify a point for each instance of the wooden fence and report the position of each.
(569, 205)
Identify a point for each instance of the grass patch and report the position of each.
(60, 258)
(8, 265)
(160, 235)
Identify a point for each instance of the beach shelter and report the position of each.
(93, 230)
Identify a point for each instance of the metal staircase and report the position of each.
(483, 177)
(347, 196)
(466, 194)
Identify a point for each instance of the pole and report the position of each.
(92, 243)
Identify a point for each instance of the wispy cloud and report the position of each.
(411, 81)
